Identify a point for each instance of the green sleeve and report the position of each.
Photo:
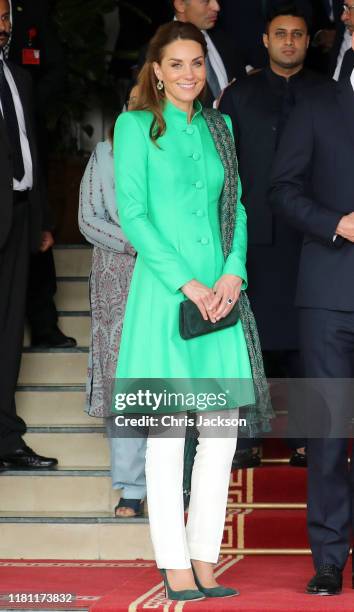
(236, 261)
(131, 179)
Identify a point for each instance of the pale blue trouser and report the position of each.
(128, 466)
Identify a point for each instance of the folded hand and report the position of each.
(202, 296)
(227, 291)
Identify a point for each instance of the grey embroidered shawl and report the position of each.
(261, 412)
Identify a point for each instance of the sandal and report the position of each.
(133, 504)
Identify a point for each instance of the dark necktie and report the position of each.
(11, 124)
(347, 66)
(212, 79)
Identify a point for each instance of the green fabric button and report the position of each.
(196, 156)
(190, 130)
(199, 184)
(204, 241)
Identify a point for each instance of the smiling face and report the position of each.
(287, 41)
(202, 13)
(182, 71)
(5, 24)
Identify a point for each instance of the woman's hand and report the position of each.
(202, 296)
(226, 293)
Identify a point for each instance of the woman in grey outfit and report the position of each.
(113, 261)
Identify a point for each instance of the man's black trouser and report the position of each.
(327, 346)
(40, 309)
(14, 258)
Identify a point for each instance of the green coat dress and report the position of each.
(167, 199)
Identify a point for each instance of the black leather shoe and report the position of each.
(26, 459)
(52, 339)
(246, 459)
(327, 581)
(298, 459)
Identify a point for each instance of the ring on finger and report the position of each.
(229, 301)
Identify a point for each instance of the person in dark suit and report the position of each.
(20, 232)
(34, 46)
(312, 189)
(223, 61)
(259, 107)
(343, 54)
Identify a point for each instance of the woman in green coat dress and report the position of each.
(170, 179)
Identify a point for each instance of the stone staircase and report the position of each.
(66, 513)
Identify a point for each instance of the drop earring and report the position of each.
(159, 85)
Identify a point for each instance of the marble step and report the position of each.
(53, 366)
(57, 406)
(76, 325)
(73, 536)
(72, 260)
(57, 491)
(85, 449)
(72, 294)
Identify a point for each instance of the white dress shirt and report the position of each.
(27, 180)
(216, 61)
(346, 44)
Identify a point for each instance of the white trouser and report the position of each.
(174, 544)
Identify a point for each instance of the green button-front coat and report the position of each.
(167, 199)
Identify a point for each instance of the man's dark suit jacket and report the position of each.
(347, 65)
(49, 75)
(24, 86)
(312, 188)
(256, 107)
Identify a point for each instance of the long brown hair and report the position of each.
(149, 97)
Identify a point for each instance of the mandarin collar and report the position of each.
(174, 113)
(280, 81)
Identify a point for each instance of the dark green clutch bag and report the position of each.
(192, 324)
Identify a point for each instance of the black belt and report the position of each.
(20, 196)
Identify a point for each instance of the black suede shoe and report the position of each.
(298, 459)
(25, 458)
(246, 459)
(52, 339)
(327, 581)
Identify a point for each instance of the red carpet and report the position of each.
(267, 584)
(270, 527)
(269, 484)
